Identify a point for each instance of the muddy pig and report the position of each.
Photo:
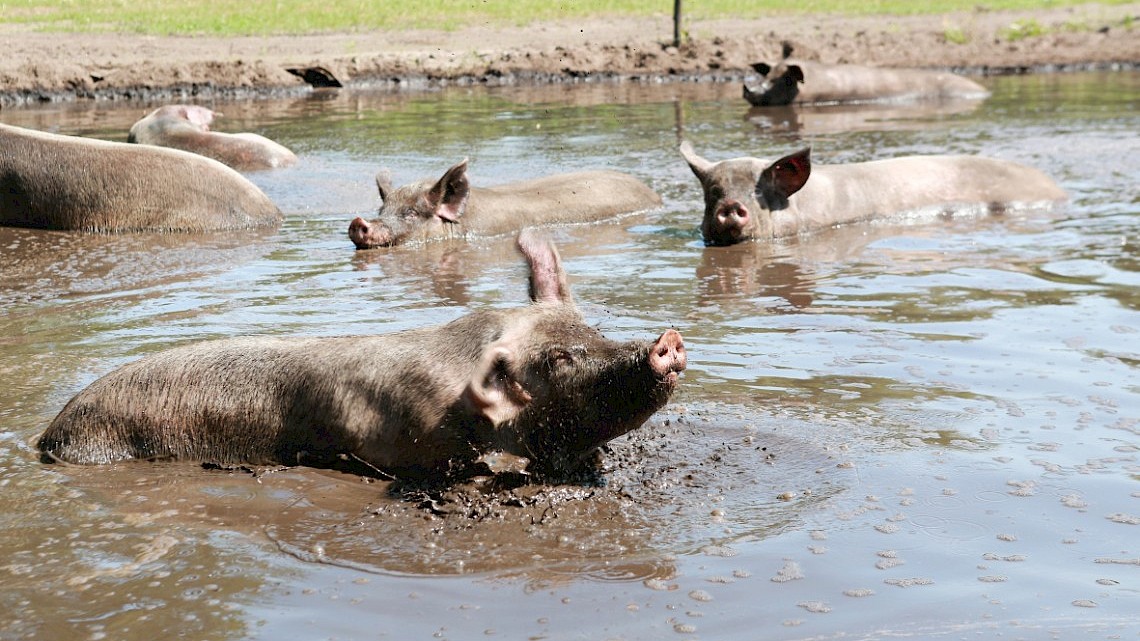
(187, 127)
(749, 198)
(50, 181)
(803, 82)
(536, 382)
(450, 207)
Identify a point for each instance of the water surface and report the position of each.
(922, 428)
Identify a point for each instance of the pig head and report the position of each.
(187, 127)
(780, 84)
(425, 208)
(536, 382)
(740, 194)
(748, 198)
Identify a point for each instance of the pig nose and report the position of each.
(364, 236)
(732, 214)
(668, 354)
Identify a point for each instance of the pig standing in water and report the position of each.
(824, 83)
(49, 181)
(187, 127)
(535, 382)
(449, 207)
(752, 198)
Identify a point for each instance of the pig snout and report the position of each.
(667, 355)
(732, 217)
(366, 236)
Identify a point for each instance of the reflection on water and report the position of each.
(878, 421)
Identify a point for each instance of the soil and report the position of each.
(38, 67)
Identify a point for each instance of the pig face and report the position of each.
(553, 389)
(780, 87)
(781, 83)
(422, 208)
(741, 193)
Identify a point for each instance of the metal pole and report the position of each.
(676, 23)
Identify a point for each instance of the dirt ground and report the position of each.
(49, 66)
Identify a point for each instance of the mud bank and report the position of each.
(42, 67)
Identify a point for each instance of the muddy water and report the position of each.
(920, 428)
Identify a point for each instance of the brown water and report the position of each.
(926, 428)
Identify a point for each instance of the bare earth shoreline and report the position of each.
(39, 67)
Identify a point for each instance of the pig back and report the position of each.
(577, 197)
(824, 83)
(64, 182)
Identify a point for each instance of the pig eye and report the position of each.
(407, 213)
(561, 357)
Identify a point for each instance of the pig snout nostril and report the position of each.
(668, 354)
(732, 213)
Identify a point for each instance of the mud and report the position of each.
(42, 66)
(667, 486)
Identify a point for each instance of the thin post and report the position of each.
(676, 23)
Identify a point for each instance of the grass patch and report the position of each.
(1022, 29)
(954, 35)
(262, 17)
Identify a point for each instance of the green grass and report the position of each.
(257, 17)
(955, 35)
(1022, 29)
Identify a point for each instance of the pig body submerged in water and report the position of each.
(535, 382)
(450, 207)
(187, 127)
(49, 181)
(804, 82)
(747, 198)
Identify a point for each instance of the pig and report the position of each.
(449, 207)
(749, 198)
(187, 127)
(535, 382)
(826, 83)
(49, 181)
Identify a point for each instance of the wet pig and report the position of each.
(535, 382)
(187, 127)
(49, 181)
(450, 207)
(792, 81)
(749, 198)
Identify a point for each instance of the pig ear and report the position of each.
(547, 278)
(493, 392)
(796, 73)
(384, 183)
(784, 177)
(448, 196)
(699, 165)
(762, 68)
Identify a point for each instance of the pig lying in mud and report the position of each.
(49, 181)
(187, 127)
(450, 208)
(535, 382)
(805, 82)
(747, 198)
